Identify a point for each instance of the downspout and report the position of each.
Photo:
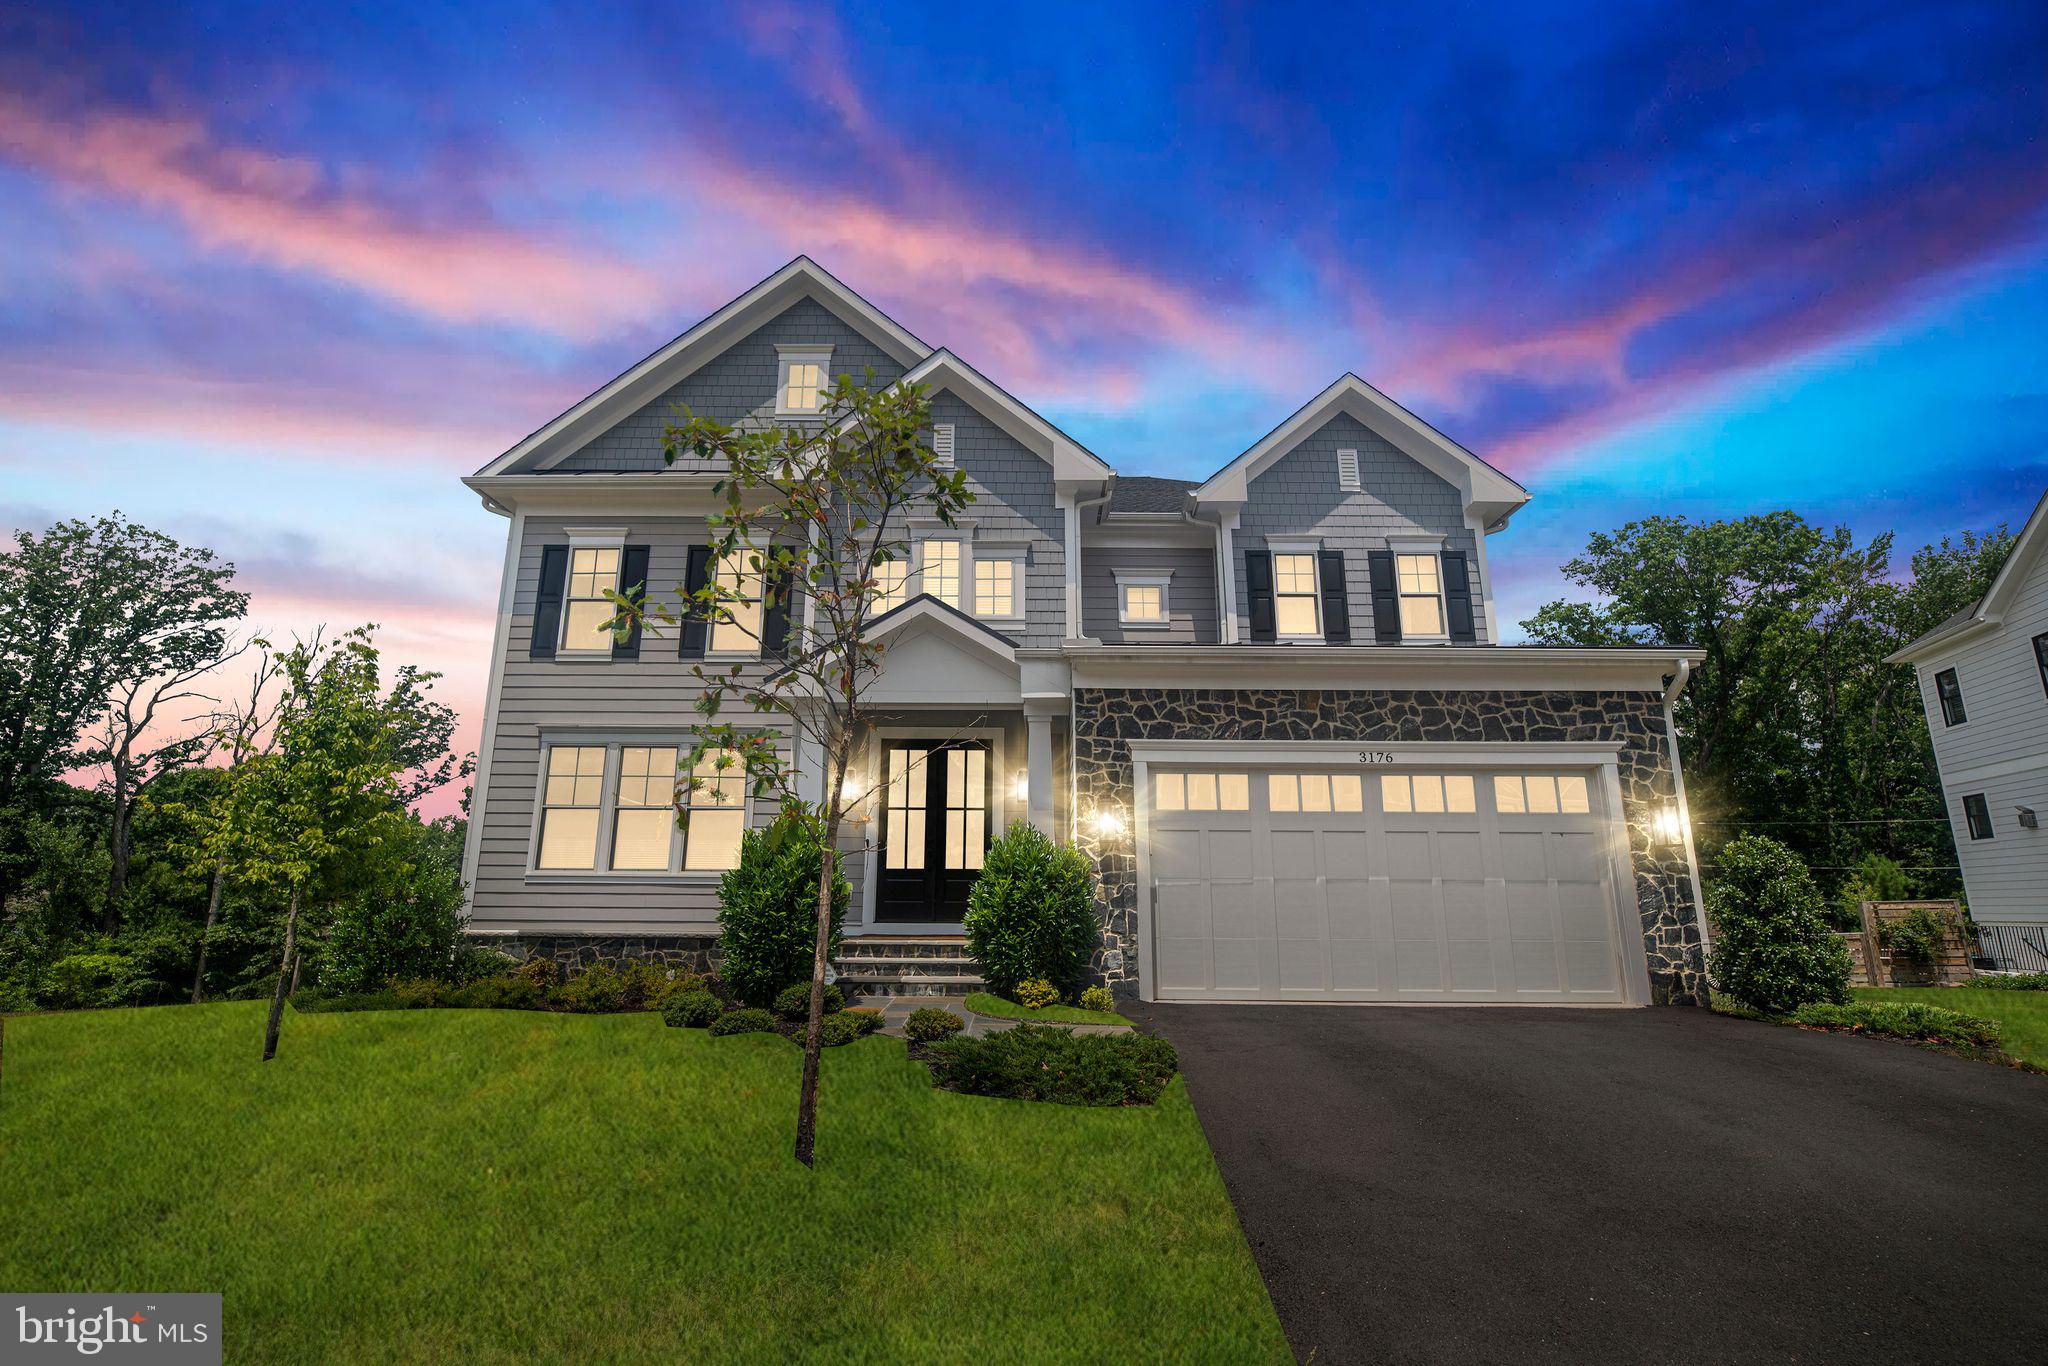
(1074, 631)
(1692, 857)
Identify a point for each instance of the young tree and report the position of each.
(810, 517)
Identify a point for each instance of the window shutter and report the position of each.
(1347, 469)
(1336, 598)
(942, 443)
(775, 616)
(1258, 591)
(696, 632)
(547, 602)
(1458, 598)
(632, 575)
(1386, 597)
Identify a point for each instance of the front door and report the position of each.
(934, 828)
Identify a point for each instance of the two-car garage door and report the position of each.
(1298, 883)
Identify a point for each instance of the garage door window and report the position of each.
(1314, 792)
(1541, 794)
(1427, 792)
(1202, 792)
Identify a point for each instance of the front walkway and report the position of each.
(1499, 1184)
(896, 1009)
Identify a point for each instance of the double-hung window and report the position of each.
(1297, 605)
(718, 812)
(644, 823)
(611, 808)
(738, 629)
(1949, 691)
(892, 585)
(939, 572)
(572, 794)
(592, 570)
(1977, 815)
(804, 380)
(1420, 580)
(2041, 658)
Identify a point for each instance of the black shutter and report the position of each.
(1386, 597)
(775, 617)
(1336, 598)
(547, 602)
(696, 631)
(1458, 597)
(632, 575)
(1258, 590)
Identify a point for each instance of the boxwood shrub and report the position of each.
(865, 1020)
(929, 1024)
(835, 1030)
(1031, 913)
(793, 1002)
(1044, 1062)
(691, 1009)
(749, 1020)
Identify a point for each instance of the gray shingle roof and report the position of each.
(1149, 493)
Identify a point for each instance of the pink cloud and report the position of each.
(288, 212)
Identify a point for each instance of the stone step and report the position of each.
(894, 984)
(896, 950)
(907, 967)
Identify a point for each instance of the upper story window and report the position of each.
(2041, 658)
(739, 631)
(939, 575)
(1977, 815)
(1422, 595)
(1297, 606)
(1950, 692)
(1141, 597)
(805, 378)
(592, 571)
(892, 585)
(995, 587)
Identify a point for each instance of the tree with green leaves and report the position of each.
(811, 518)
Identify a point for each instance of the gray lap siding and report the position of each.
(1192, 605)
(1014, 502)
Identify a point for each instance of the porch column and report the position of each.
(1038, 772)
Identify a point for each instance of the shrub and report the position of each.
(421, 993)
(865, 1020)
(508, 992)
(1098, 998)
(793, 1002)
(1043, 1062)
(752, 1020)
(691, 1009)
(929, 1024)
(1916, 936)
(2013, 981)
(400, 916)
(835, 1030)
(1036, 993)
(597, 990)
(1874, 878)
(1901, 1020)
(1773, 950)
(1031, 913)
(475, 963)
(542, 972)
(88, 981)
(768, 911)
(645, 985)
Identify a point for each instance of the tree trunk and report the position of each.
(284, 969)
(117, 850)
(297, 960)
(807, 1094)
(220, 880)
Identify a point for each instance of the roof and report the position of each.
(1150, 493)
(1987, 611)
(1069, 458)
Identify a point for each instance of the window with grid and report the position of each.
(906, 801)
(1977, 815)
(1422, 604)
(1315, 792)
(941, 571)
(570, 801)
(1143, 603)
(892, 585)
(718, 812)
(592, 570)
(1202, 792)
(995, 587)
(803, 386)
(1427, 792)
(1296, 605)
(1541, 794)
(966, 807)
(739, 631)
(643, 824)
(1950, 691)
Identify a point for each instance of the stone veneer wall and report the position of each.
(1107, 720)
(575, 952)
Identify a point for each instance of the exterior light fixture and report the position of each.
(1109, 822)
(849, 796)
(1020, 787)
(1668, 826)
(2028, 820)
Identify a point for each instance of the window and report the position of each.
(569, 807)
(806, 377)
(1427, 792)
(1422, 603)
(592, 570)
(1347, 470)
(906, 802)
(2041, 658)
(643, 824)
(1950, 691)
(892, 580)
(1202, 792)
(1314, 792)
(1978, 816)
(1541, 794)
(966, 807)
(1296, 607)
(1141, 597)
(941, 571)
(995, 587)
(718, 812)
(739, 631)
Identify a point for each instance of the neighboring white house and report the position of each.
(1984, 680)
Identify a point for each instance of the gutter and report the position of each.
(1692, 853)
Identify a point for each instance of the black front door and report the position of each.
(934, 827)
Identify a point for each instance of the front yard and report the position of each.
(2022, 1015)
(498, 1186)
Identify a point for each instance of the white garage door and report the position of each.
(1411, 885)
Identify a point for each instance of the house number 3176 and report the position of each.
(1375, 756)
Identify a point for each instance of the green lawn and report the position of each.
(499, 1186)
(984, 1003)
(2022, 1015)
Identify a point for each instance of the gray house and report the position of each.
(1271, 706)
(1984, 681)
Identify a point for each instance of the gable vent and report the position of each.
(942, 443)
(1347, 469)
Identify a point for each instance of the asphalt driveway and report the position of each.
(1425, 1185)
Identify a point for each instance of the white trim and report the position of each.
(595, 537)
(942, 444)
(1990, 609)
(808, 353)
(1421, 548)
(942, 370)
(635, 388)
(926, 609)
(1984, 773)
(988, 550)
(1440, 753)
(1312, 548)
(1365, 667)
(487, 738)
(1348, 479)
(587, 538)
(1226, 578)
(1162, 579)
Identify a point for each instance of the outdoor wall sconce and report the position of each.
(1020, 787)
(1668, 826)
(1109, 822)
(850, 794)
(2028, 820)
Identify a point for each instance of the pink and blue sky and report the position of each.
(272, 277)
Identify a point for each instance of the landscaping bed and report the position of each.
(995, 1007)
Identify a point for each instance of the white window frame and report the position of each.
(1312, 549)
(804, 354)
(1432, 548)
(614, 743)
(965, 592)
(970, 578)
(587, 538)
(901, 592)
(751, 650)
(1162, 579)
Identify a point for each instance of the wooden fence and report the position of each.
(1951, 963)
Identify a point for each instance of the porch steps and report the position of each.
(897, 965)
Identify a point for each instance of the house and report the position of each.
(1271, 706)
(1984, 681)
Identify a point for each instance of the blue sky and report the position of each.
(274, 276)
